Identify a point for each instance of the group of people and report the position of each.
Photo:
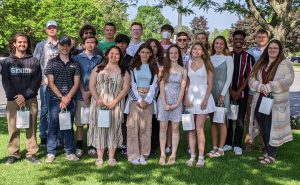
(132, 94)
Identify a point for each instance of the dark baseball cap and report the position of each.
(65, 39)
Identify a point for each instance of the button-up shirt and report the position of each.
(255, 52)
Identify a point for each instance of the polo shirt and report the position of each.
(103, 45)
(63, 74)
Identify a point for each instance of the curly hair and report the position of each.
(13, 40)
(87, 27)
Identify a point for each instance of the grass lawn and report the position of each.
(296, 65)
(225, 170)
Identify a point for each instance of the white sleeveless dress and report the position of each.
(197, 90)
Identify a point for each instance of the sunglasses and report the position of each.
(88, 33)
(181, 40)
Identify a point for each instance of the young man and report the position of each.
(21, 79)
(109, 36)
(182, 42)
(87, 61)
(243, 63)
(136, 29)
(122, 41)
(261, 38)
(64, 78)
(45, 51)
(166, 32)
(84, 31)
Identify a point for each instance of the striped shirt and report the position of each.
(243, 64)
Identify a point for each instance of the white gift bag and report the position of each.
(104, 118)
(187, 120)
(84, 115)
(64, 120)
(23, 118)
(233, 112)
(266, 105)
(219, 115)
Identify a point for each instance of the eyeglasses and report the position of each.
(181, 40)
(88, 33)
(136, 30)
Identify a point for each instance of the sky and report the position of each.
(215, 20)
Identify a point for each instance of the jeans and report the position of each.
(53, 127)
(44, 112)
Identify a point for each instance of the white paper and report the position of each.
(104, 118)
(266, 105)
(84, 115)
(23, 119)
(233, 112)
(219, 115)
(65, 121)
(187, 122)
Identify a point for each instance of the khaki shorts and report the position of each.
(77, 119)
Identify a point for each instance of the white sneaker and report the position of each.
(227, 148)
(79, 152)
(135, 162)
(238, 151)
(142, 160)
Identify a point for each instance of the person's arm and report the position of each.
(93, 89)
(182, 90)
(6, 81)
(34, 84)
(152, 90)
(230, 66)
(123, 92)
(283, 84)
(162, 95)
(133, 92)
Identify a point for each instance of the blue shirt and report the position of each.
(255, 52)
(144, 76)
(86, 67)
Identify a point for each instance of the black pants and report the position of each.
(124, 130)
(155, 134)
(265, 123)
(239, 129)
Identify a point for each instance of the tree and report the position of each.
(152, 20)
(30, 17)
(199, 24)
(218, 32)
(279, 17)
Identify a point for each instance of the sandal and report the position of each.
(190, 162)
(112, 162)
(171, 160)
(214, 150)
(263, 157)
(218, 153)
(99, 162)
(267, 160)
(162, 160)
(200, 162)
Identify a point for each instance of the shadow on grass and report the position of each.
(225, 170)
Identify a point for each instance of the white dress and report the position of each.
(197, 90)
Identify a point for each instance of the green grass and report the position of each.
(296, 65)
(226, 170)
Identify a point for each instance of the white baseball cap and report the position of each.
(51, 23)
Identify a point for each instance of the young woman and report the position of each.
(172, 84)
(223, 70)
(272, 76)
(140, 105)
(108, 85)
(158, 55)
(198, 98)
(202, 37)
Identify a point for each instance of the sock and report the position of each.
(80, 144)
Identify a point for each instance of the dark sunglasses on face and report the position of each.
(181, 40)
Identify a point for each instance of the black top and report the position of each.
(21, 76)
(63, 74)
